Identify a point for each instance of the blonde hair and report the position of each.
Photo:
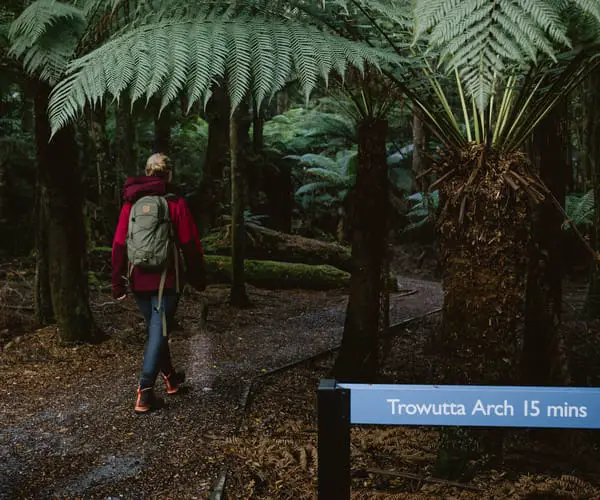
(159, 165)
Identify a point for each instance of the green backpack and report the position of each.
(151, 240)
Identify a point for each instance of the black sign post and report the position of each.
(333, 407)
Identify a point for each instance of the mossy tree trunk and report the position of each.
(358, 356)
(237, 147)
(591, 308)
(62, 221)
(484, 228)
(542, 346)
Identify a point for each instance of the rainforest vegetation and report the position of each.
(387, 191)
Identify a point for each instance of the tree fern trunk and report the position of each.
(358, 356)
(238, 295)
(60, 180)
(483, 242)
(591, 308)
(543, 363)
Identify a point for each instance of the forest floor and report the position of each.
(245, 428)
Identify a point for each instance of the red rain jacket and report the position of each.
(186, 235)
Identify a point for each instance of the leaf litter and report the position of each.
(68, 426)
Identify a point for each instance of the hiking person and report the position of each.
(155, 236)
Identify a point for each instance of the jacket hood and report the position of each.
(136, 187)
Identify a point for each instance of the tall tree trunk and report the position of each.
(358, 356)
(238, 297)
(44, 315)
(258, 126)
(209, 204)
(60, 180)
(280, 196)
(125, 154)
(162, 131)
(591, 308)
(107, 184)
(484, 231)
(542, 346)
(419, 160)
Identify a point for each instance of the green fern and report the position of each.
(254, 54)
(45, 36)
(580, 209)
(483, 41)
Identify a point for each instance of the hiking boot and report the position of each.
(147, 400)
(173, 381)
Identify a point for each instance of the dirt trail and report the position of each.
(68, 426)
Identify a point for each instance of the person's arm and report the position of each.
(119, 254)
(190, 245)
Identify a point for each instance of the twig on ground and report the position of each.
(417, 477)
(395, 329)
(18, 308)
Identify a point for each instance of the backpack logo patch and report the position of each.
(146, 209)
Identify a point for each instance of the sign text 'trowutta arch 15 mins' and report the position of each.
(478, 406)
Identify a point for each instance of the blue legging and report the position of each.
(157, 357)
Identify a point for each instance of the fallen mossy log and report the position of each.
(267, 244)
(281, 275)
(269, 273)
(273, 274)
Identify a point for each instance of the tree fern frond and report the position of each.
(303, 54)
(239, 65)
(263, 66)
(591, 7)
(480, 39)
(45, 36)
(165, 58)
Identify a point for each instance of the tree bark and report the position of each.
(210, 201)
(591, 309)
(419, 160)
(60, 181)
(44, 315)
(484, 232)
(358, 356)
(238, 296)
(162, 131)
(125, 154)
(543, 363)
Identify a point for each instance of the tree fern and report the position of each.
(483, 40)
(45, 35)
(254, 54)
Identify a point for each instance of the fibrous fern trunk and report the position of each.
(484, 232)
(358, 356)
(62, 220)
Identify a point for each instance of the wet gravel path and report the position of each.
(68, 426)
